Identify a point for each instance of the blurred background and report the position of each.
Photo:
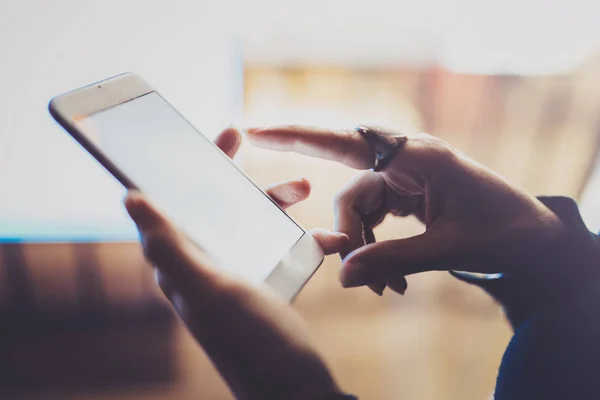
(513, 84)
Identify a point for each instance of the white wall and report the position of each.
(483, 36)
(48, 47)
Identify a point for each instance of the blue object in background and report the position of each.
(83, 206)
(23, 232)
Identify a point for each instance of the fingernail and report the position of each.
(231, 126)
(134, 204)
(405, 287)
(253, 130)
(340, 235)
(378, 287)
(397, 286)
(132, 195)
(131, 201)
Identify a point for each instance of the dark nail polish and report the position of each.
(378, 287)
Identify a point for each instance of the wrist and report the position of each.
(557, 259)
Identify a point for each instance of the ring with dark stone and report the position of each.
(383, 144)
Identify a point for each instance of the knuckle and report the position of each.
(342, 199)
(432, 143)
(434, 150)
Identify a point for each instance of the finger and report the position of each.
(345, 146)
(360, 197)
(369, 236)
(397, 284)
(145, 216)
(229, 141)
(405, 205)
(286, 194)
(377, 287)
(397, 258)
(165, 246)
(331, 242)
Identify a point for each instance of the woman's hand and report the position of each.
(257, 342)
(475, 220)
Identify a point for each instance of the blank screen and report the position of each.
(194, 184)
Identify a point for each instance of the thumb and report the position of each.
(374, 262)
(165, 246)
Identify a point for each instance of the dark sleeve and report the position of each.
(555, 313)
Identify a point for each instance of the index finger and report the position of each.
(345, 146)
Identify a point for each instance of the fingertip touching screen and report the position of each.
(194, 184)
